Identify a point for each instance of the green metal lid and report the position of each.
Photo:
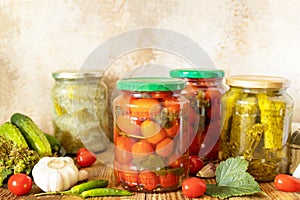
(150, 84)
(196, 73)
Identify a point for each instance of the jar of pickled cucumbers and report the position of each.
(80, 109)
(204, 88)
(256, 124)
(150, 134)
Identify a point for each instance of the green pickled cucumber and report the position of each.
(35, 138)
(244, 117)
(11, 132)
(272, 115)
(54, 143)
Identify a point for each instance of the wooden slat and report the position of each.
(99, 171)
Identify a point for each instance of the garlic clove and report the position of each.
(297, 172)
(83, 175)
(208, 171)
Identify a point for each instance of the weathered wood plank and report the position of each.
(99, 171)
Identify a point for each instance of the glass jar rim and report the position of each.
(77, 74)
(150, 84)
(258, 81)
(196, 73)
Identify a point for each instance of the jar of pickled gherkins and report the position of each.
(80, 109)
(256, 124)
(150, 134)
(204, 88)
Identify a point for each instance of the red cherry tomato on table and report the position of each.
(196, 164)
(85, 158)
(19, 184)
(80, 150)
(287, 183)
(193, 187)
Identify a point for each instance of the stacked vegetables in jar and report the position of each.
(257, 116)
(150, 134)
(204, 88)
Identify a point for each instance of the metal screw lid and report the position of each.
(257, 81)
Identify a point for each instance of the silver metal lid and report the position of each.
(77, 74)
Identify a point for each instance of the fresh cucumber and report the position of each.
(11, 132)
(54, 143)
(35, 138)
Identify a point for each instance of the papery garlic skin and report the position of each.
(53, 174)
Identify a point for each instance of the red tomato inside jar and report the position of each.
(151, 134)
(204, 88)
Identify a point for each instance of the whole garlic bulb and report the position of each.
(52, 174)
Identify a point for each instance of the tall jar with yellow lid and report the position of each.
(80, 109)
(256, 124)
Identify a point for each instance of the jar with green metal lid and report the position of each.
(257, 117)
(80, 109)
(204, 88)
(150, 134)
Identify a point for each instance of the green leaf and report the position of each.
(233, 180)
(151, 162)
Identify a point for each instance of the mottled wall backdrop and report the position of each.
(39, 37)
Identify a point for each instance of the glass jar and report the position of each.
(150, 134)
(80, 109)
(204, 88)
(257, 119)
(294, 151)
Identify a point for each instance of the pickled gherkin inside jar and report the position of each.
(256, 124)
(80, 113)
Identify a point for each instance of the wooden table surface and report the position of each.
(99, 171)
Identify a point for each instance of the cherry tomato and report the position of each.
(168, 181)
(196, 164)
(213, 95)
(287, 183)
(172, 104)
(131, 177)
(173, 130)
(149, 180)
(19, 184)
(85, 158)
(144, 107)
(128, 125)
(122, 151)
(141, 149)
(160, 94)
(195, 145)
(193, 187)
(80, 150)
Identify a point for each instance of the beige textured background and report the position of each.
(41, 36)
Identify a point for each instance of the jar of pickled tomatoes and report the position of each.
(204, 88)
(150, 134)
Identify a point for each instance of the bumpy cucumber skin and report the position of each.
(54, 143)
(35, 138)
(11, 132)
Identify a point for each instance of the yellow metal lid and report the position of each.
(257, 81)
